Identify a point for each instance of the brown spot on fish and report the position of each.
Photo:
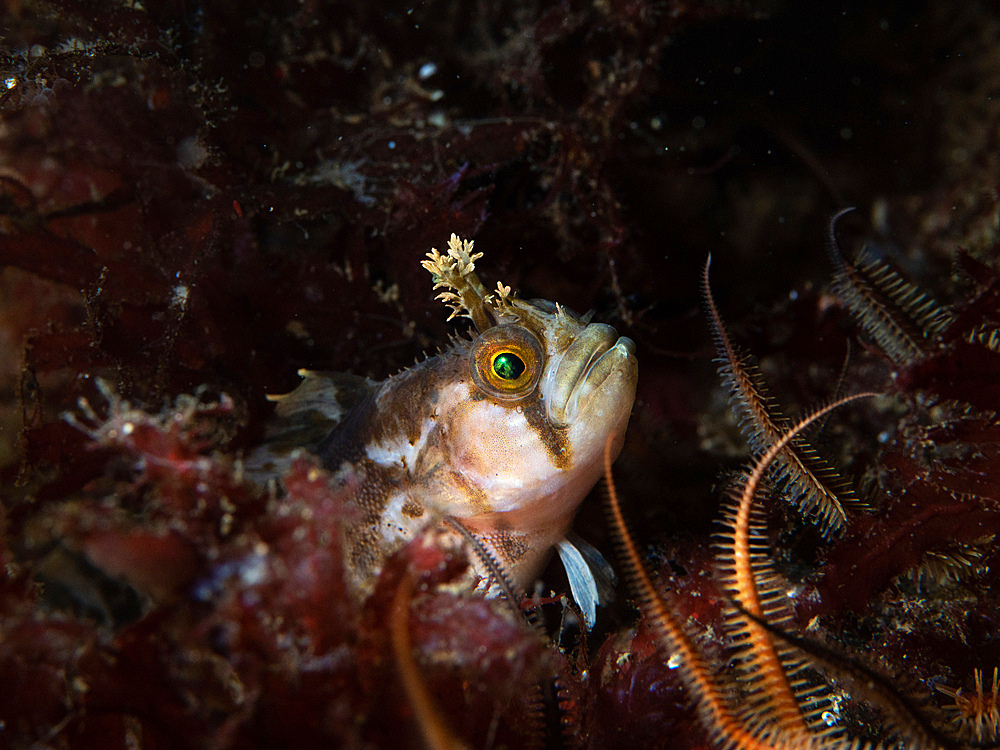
(412, 510)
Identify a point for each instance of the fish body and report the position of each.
(503, 432)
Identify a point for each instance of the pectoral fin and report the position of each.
(591, 579)
(604, 574)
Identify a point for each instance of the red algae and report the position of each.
(197, 201)
(247, 628)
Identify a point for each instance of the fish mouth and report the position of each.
(596, 354)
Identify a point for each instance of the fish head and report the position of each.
(526, 429)
(547, 392)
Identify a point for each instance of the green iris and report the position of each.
(508, 366)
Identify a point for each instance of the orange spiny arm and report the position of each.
(813, 483)
(745, 566)
(436, 734)
(712, 700)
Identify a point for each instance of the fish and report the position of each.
(503, 432)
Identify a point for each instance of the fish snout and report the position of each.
(597, 363)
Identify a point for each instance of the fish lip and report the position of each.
(587, 364)
(598, 371)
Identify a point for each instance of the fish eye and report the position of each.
(507, 361)
(508, 366)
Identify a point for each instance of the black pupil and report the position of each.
(508, 366)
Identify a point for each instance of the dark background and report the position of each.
(205, 197)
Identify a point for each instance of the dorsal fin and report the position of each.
(307, 414)
(303, 418)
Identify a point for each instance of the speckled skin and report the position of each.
(428, 443)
